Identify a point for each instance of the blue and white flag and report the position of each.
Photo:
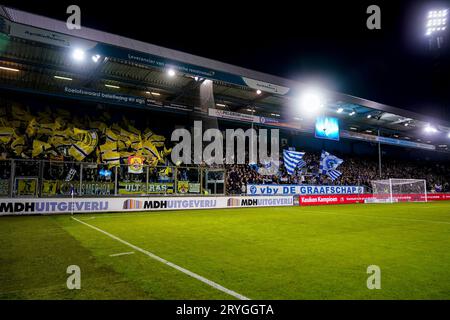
(328, 165)
(292, 160)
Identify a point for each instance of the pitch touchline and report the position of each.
(377, 217)
(168, 263)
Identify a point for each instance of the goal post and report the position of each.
(399, 190)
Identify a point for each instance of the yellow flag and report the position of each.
(40, 147)
(108, 147)
(157, 140)
(6, 134)
(33, 127)
(111, 158)
(110, 135)
(18, 145)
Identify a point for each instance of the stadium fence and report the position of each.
(44, 178)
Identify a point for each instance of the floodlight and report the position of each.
(430, 129)
(112, 86)
(258, 91)
(78, 54)
(311, 101)
(63, 78)
(436, 21)
(9, 69)
(171, 72)
(339, 110)
(352, 113)
(369, 116)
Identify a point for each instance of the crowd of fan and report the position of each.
(355, 171)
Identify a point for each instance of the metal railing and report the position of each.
(43, 178)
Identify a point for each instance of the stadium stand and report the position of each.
(64, 120)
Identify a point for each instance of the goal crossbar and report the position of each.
(404, 190)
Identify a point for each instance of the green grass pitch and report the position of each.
(262, 253)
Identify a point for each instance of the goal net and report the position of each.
(399, 190)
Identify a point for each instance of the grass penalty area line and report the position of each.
(168, 263)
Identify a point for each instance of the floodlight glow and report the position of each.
(352, 113)
(311, 101)
(448, 135)
(171, 72)
(96, 58)
(339, 110)
(78, 55)
(369, 116)
(430, 129)
(258, 91)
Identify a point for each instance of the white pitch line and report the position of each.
(121, 254)
(168, 263)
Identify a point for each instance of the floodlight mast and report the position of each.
(436, 25)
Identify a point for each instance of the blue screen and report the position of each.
(327, 128)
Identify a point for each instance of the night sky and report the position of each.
(322, 43)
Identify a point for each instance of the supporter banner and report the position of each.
(270, 190)
(194, 187)
(97, 188)
(141, 188)
(58, 187)
(83, 205)
(315, 200)
(135, 164)
(183, 186)
(4, 187)
(26, 186)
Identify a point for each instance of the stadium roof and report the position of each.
(41, 47)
